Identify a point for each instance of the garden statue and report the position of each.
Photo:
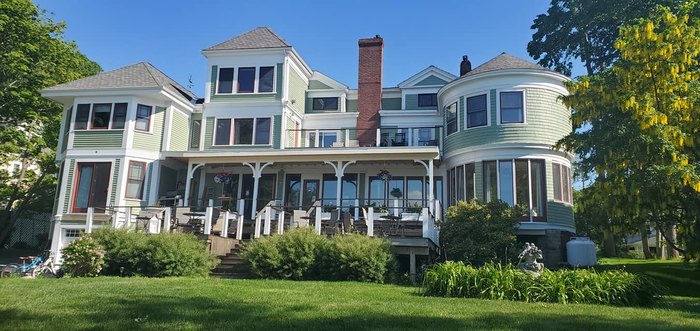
(528, 259)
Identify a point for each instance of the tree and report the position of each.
(33, 55)
(644, 117)
(583, 30)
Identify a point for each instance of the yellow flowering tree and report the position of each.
(642, 118)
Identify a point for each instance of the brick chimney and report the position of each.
(369, 89)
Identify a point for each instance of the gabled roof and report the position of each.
(505, 61)
(261, 37)
(329, 83)
(139, 75)
(443, 77)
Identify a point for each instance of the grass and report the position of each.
(680, 278)
(185, 303)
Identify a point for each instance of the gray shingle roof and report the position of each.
(261, 37)
(505, 61)
(142, 74)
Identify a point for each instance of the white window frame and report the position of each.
(498, 106)
(233, 82)
(74, 115)
(232, 131)
(151, 118)
(562, 176)
(466, 111)
(456, 117)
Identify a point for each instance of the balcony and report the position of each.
(384, 137)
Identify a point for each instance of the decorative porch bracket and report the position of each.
(191, 168)
(257, 169)
(430, 172)
(339, 172)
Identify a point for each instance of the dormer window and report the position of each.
(266, 79)
(245, 80)
(427, 100)
(325, 104)
(100, 116)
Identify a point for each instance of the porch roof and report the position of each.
(310, 154)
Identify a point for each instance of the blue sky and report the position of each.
(171, 34)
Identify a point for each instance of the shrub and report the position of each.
(300, 254)
(162, 255)
(359, 258)
(479, 232)
(83, 257)
(494, 281)
(293, 255)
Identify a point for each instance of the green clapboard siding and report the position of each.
(547, 122)
(68, 184)
(276, 131)
(98, 139)
(209, 133)
(115, 180)
(291, 133)
(179, 132)
(147, 192)
(412, 103)
(557, 212)
(431, 80)
(316, 85)
(351, 106)
(151, 141)
(391, 103)
(297, 91)
(248, 97)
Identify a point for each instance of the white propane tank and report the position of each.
(580, 252)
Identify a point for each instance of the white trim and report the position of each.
(167, 131)
(425, 73)
(488, 109)
(444, 117)
(216, 82)
(498, 105)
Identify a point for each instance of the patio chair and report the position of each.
(399, 139)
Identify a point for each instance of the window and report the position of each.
(143, 118)
(461, 183)
(477, 111)
(134, 180)
(348, 190)
(325, 104)
(91, 186)
(266, 79)
(427, 100)
(292, 191)
(73, 233)
(246, 80)
(100, 116)
(561, 176)
(246, 131)
(512, 107)
(517, 182)
(225, 83)
(195, 132)
(324, 139)
(223, 132)
(451, 118)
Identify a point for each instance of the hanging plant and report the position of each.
(222, 178)
(384, 174)
(396, 193)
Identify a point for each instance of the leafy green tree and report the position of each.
(478, 232)
(644, 116)
(33, 55)
(584, 30)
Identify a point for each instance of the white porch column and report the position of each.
(208, 217)
(224, 225)
(89, 219)
(280, 222)
(339, 171)
(257, 169)
(430, 171)
(239, 225)
(268, 220)
(317, 225)
(191, 168)
(370, 221)
(167, 218)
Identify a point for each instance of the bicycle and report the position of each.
(39, 266)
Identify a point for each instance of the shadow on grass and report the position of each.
(161, 312)
(681, 279)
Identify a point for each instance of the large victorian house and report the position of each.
(274, 141)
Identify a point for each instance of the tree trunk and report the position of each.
(670, 231)
(643, 231)
(608, 243)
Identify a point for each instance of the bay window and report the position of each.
(516, 182)
(100, 116)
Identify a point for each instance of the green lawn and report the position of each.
(179, 303)
(681, 279)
